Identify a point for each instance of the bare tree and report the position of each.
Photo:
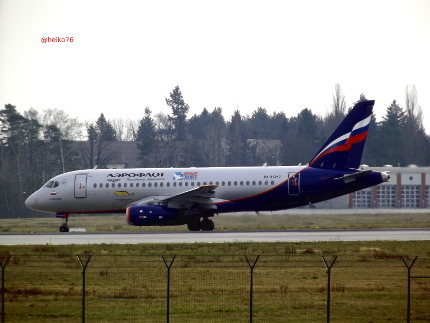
(170, 149)
(338, 110)
(69, 129)
(414, 139)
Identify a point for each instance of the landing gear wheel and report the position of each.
(207, 225)
(194, 225)
(64, 228)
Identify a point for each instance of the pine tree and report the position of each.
(179, 113)
(146, 136)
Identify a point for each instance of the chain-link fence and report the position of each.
(221, 288)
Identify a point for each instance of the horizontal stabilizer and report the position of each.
(351, 177)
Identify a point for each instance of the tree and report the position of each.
(415, 139)
(237, 146)
(104, 129)
(390, 132)
(300, 138)
(179, 113)
(146, 137)
(338, 110)
(207, 132)
(20, 160)
(95, 152)
(259, 124)
(60, 130)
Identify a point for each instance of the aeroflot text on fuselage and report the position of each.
(136, 175)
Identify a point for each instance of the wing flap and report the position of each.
(198, 197)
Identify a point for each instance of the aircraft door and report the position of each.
(81, 186)
(293, 183)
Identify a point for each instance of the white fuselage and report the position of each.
(110, 190)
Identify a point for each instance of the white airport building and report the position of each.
(408, 188)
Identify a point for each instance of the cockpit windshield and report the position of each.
(52, 184)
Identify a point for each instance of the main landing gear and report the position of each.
(205, 225)
(64, 227)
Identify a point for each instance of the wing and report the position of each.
(197, 197)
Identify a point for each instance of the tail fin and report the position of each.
(345, 146)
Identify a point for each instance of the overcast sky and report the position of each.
(279, 55)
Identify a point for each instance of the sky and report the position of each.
(278, 55)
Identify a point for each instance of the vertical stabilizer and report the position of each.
(344, 148)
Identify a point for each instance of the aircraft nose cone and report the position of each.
(31, 202)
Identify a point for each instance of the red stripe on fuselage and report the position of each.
(346, 146)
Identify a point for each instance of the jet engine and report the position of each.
(142, 215)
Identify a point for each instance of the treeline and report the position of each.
(37, 146)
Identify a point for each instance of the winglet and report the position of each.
(344, 148)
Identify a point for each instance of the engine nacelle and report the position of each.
(146, 215)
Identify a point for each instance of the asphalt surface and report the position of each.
(81, 238)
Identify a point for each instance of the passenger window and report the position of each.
(229, 183)
(198, 183)
(273, 183)
(217, 183)
(119, 184)
(211, 183)
(155, 184)
(223, 183)
(266, 182)
(241, 183)
(180, 183)
(113, 184)
(260, 182)
(174, 184)
(101, 185)
(161, 184)
(253, 183)
(186, 183)
(205, 183)
(168, 184)
(131, 184)
(137, 184)
(235, 183)
(144, 184)
(247, 183)
(149, 184)
(95, 185)
(125, 184)
(192, 183)
(107, 185)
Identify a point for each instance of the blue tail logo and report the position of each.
(344, 148)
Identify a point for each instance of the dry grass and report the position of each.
(210, 282)
(286, 220)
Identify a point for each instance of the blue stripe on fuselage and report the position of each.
(316, 185)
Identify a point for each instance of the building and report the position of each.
(408, 187)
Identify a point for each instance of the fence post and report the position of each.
(408, 310)
(2, 287)
(84, 267)
(251, 285)
(328, 267)
(168, 266)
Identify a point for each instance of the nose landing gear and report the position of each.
(64, 227)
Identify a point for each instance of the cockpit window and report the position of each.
(52, 184)
(49, 184)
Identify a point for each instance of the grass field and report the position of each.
(211, 282)
(285, 220)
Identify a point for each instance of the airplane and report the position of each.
(191, 196)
